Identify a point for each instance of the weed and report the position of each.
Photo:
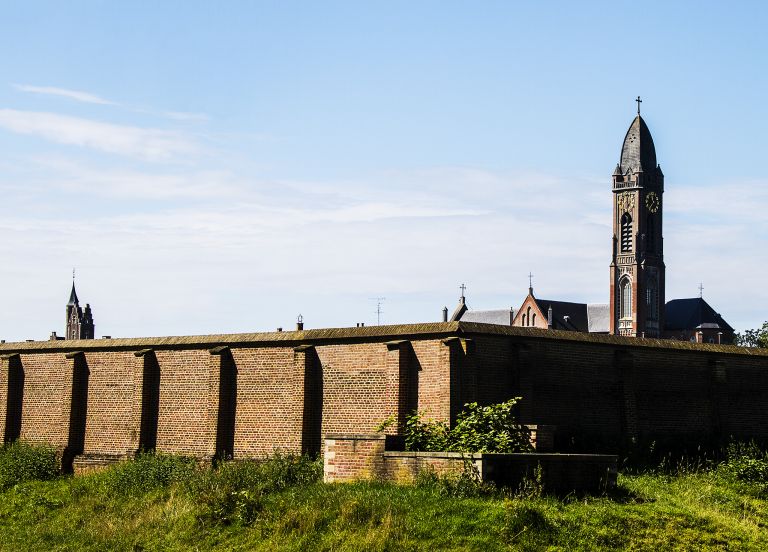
(147, 472)
(20, 462)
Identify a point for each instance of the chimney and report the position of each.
(280, 329)
(445, 314)
(53, 337)
(719, 338)
(299, 323)
(549, 317)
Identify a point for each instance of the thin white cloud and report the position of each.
(185, 116)
(334, 244)
(76, 95)
(87, 97)
(144, 143)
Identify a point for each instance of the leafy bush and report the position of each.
(232, 493)
(22, 461)
(421, 434)
(747, 462)
(490, 428)
(147, 472)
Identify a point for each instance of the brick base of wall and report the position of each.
(364, 457)
(86, 463)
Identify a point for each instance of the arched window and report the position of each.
(650, 234)
(533, 321)
(626, 232)
(625, 292)
(528, 317)
(652, 300)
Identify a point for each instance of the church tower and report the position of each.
(637, 265)
(79, 322)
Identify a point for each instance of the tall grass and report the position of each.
(168, 503)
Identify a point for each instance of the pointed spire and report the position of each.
(73, 301)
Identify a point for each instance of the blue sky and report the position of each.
(223, 167)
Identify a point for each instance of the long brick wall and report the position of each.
(247, 395)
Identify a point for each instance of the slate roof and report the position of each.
(565, 315)
(502, 317)
(599, 315)
(73, 296)
(461, 308)
(687, 314)
(638, 151)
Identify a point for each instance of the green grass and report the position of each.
(165, 505)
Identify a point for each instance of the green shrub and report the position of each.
(147, 472)
(232, 492)
(747, 462)
(490, 428)
(22, 461)
(421, 434)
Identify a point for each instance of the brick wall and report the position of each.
(350, 457)
(251, 394)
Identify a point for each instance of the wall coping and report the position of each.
(388, 333)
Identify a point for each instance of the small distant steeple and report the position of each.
(79, 322)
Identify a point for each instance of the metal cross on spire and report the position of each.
(530, 282)
(73, 274)
(463, 288)
(639, 101)
(701, 290)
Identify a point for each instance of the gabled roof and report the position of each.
(578, 317)
(565, 315)
(73, 297)
(461, 308)
(502, 317)
(688, 314)
(638, 152)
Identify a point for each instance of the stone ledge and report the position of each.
(355, 436)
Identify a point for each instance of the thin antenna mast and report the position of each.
(379, 312)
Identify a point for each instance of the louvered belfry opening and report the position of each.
(626, 232)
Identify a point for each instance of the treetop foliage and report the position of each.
(754, 338)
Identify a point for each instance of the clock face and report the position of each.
(652, 202)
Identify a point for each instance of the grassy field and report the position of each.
(166, 503)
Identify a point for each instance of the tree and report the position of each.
(754, 338)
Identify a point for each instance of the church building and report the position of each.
(79, 320)
(636, 306)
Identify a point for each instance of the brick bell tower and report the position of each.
(637, 265)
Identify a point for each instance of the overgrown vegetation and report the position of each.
(492, 428)
(20, 462)
(747, 462)
(234, 492)
(168, 503)
(148, 472)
